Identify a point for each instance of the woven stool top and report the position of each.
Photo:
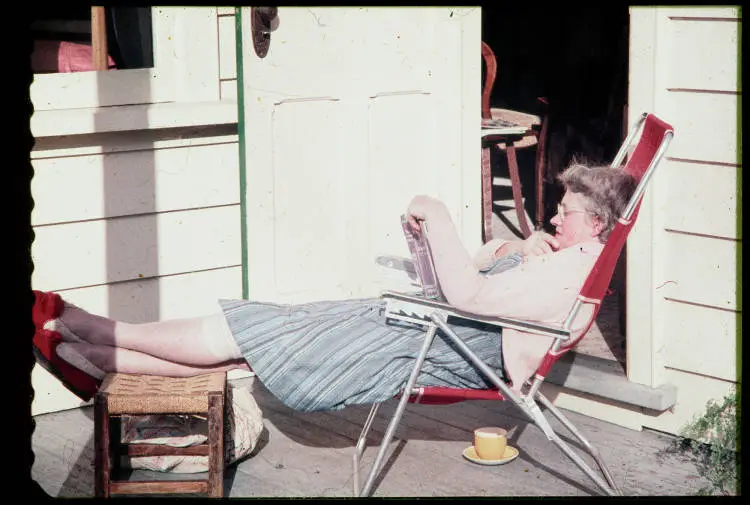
(153, 394)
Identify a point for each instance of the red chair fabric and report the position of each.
(444, 396)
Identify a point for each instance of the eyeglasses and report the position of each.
(561, 212)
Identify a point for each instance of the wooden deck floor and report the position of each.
(309, 455)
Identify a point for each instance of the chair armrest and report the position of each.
(398, 263)
(423, 308)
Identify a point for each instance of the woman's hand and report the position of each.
(414, 224)
(537, 244)
(416, 213)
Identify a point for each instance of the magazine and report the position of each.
(502, 127)
(425, 268)
(497, 123)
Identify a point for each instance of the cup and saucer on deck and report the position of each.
(490, 447)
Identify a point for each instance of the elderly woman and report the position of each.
(326, 355)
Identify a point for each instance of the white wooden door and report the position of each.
(351, 113)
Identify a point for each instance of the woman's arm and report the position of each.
(541, 290)
(537, 244)
(457, 274)
(488, 253)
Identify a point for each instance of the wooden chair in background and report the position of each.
(535, 135)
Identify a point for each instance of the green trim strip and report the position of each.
(241, 134)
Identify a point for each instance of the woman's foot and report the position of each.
(58, 326)
(47, 308)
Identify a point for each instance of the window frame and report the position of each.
(186, 68)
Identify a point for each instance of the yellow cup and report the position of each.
(490, 442)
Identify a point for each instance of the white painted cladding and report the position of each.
(697, 206)
(683, 308)
(341, 121)
(227, 53)
(136, 182)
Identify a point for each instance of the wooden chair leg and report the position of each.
(486, 195)
(216, 445)
(99, 51)
(101, 447)
(515, 181)
(539, 224)
(541, 172)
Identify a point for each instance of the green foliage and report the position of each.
(714, 438)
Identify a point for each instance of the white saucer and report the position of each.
(511, 453)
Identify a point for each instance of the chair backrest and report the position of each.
(490, 64)
(651, 146)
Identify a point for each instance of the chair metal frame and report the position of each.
(433, 315)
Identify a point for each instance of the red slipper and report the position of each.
(49, 306)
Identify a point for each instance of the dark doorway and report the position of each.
(576, 57)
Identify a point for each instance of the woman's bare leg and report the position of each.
(110, 359)
(201, 341)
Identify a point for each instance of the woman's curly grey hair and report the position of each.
(605, 191)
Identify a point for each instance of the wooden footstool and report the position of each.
(125, 394)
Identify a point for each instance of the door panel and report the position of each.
(351, 113)
(397, 180)
(306, 192)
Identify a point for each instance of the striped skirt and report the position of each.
(327, 355)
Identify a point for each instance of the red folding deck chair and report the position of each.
(641, 163)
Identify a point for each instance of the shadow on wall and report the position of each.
(129, 182)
